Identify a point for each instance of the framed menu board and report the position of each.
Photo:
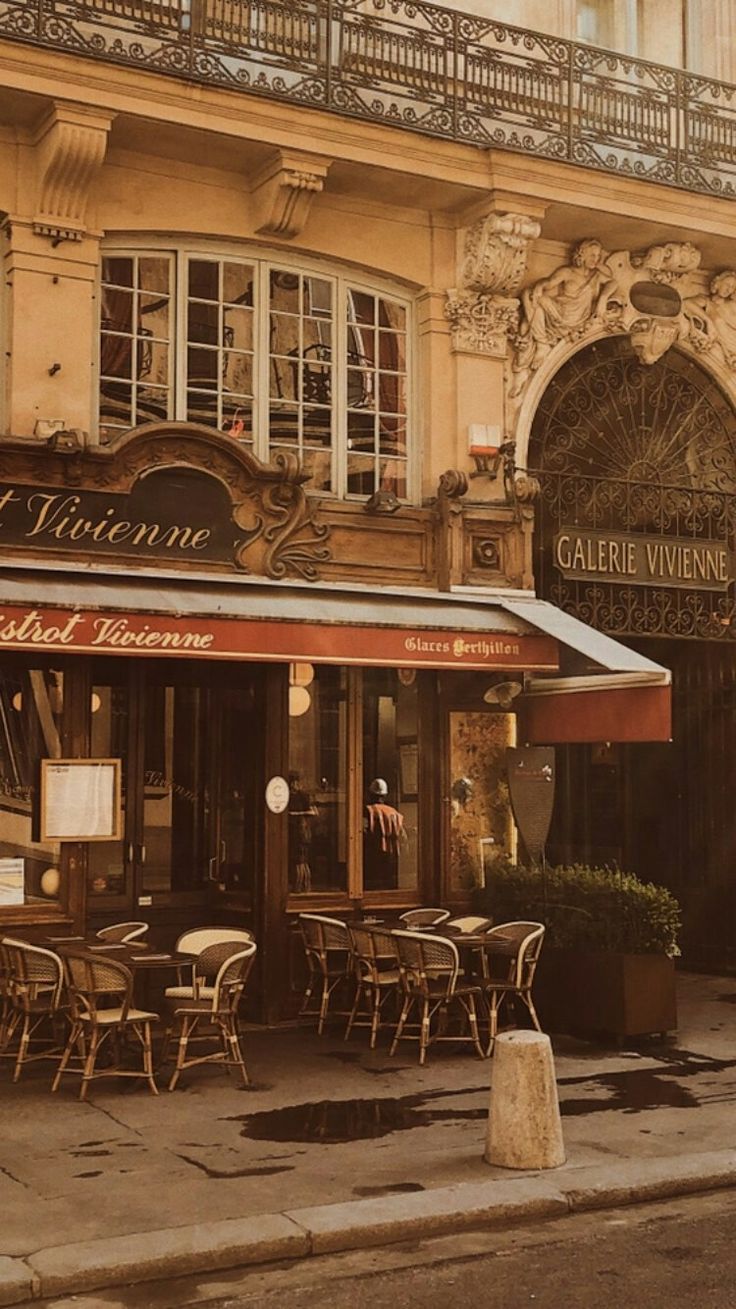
(80, 800)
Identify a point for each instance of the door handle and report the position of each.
(143, 854)
(212, 874)
(223, 852)
(131, 852)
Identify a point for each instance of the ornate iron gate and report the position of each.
(636, 535)
(636, 526)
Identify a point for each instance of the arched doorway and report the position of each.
(636, 531)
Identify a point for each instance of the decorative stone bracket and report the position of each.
(483, 311)
(284, 191)
(70, 147)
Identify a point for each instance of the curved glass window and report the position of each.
(277, 358)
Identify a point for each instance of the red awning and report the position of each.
(620, 696)
(627, 707)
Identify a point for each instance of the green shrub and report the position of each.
(585, 908)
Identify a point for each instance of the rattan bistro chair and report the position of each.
(209, 947)
(377, 977)
(329, 954)
(430, 976)
(102, 1011)
(122, 933)
(34, 1000)
(424, 917)
(511, 972)
(217, 1015)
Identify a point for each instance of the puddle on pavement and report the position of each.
(630, 1091)
(653, 1088)
(399, 1188)
(336, 1121)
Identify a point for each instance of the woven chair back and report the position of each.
(123, 931)
(199, 938)
(528, 938)
(372, 948)
(426, 962)
(322, 934)
(96, 984)
(424, 917)
(33, 971)
(231, 980)
(210, 961)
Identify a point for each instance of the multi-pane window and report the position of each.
(300, 393)
(135, 341)
(219, 363)
(376, 395)
(275, 357)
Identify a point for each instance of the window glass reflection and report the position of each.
(390, 771)
(317, 779)
(31, 709)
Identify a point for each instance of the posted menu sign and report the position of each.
(80, 800)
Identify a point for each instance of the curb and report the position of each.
(299, 1233)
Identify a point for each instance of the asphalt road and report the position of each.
(675, 1255)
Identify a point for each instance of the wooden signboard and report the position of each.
(81, 800)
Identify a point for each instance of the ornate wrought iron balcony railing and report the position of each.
(420, 67)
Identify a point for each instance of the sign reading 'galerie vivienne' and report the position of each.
(640, 560)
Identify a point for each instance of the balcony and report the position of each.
(421, 68)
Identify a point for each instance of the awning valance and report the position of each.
(154, 615)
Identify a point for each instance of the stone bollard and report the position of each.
(524, 1128)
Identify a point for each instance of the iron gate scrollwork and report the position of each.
(636, 519)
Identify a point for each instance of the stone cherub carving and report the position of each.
(559, 308)
(712, 318)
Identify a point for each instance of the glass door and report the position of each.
(186, 734)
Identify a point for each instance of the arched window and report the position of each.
(276, 357)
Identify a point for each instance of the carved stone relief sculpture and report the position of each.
(651, 296)
(712, 318)
(483, 312)
(558, 308)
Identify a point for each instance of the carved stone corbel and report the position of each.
(284, 191)
(483, 311)
(70, 146)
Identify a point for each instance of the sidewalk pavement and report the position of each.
(334, 1147)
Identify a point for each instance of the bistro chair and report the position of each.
(204, 970)
(424, 917)
(217, 1015)
(34, 999)
(102, 1012)
(471, 923)
(329, 954)
(198, 942)
(377, 976)
(509, 970)
(432, 985)
(6, 1004)
(122, 933)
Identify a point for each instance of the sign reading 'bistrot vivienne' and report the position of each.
(683, 562)
(85, 631)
